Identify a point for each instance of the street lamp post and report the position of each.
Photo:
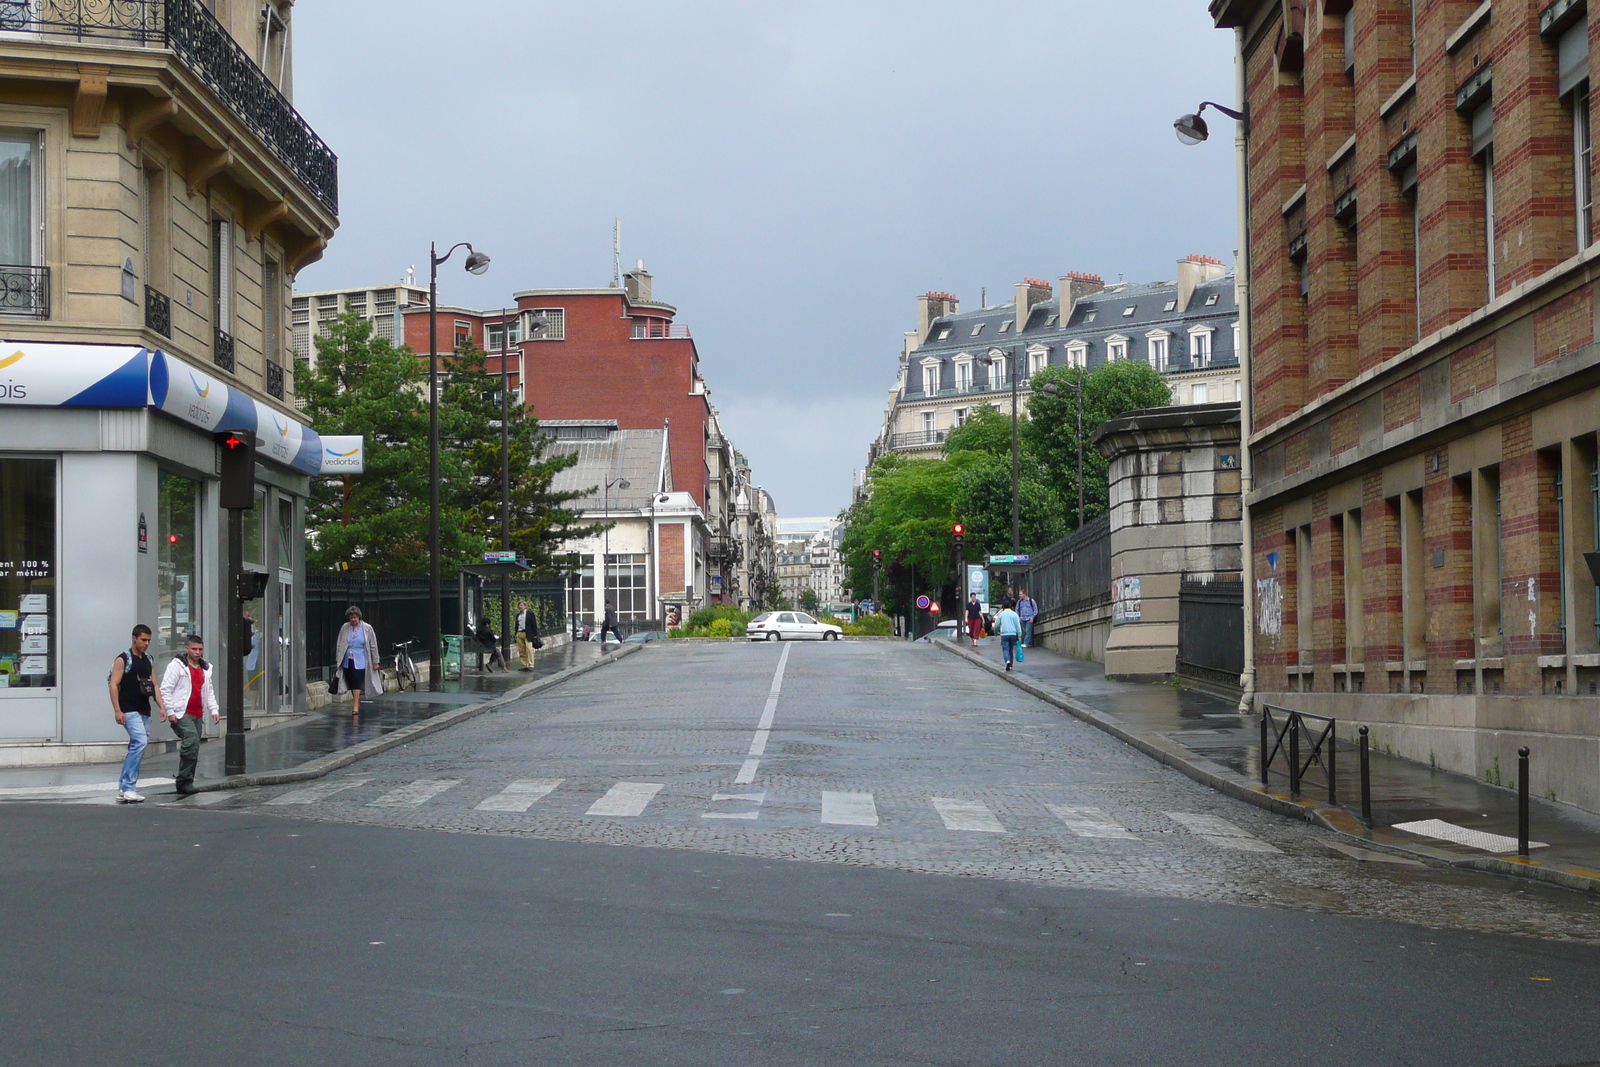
(477, 263)
(1191, 131)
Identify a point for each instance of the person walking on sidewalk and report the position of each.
(356, 652)
(527, 628)
(186, 695)
(610, 624)
(974, 619)
(1027, 611)
(1010, 628)
(133, 686)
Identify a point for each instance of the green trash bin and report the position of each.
(452, 655)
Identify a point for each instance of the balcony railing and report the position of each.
(222, 350)
(657, 333)
(917, 439)
(25, 290)
(274, 380)
(210, 52)
(157, 311)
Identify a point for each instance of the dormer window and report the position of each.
(1005, 326)
(1170, 305)
(1049, 322)
(1129, 310)
(1089, 317)
(1078, 354)
(1116, 348)
(1211, 300)
(976, 330)
(1200, 345)
(1157, 348)
(944, 334)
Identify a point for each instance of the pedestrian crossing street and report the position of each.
(632, 800)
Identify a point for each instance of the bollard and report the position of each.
(1333, 774)
(1294, 754)
(1265, 751)
(1522, 801)
(1366, 782)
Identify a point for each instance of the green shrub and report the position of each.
(878, 625)
(719, 628)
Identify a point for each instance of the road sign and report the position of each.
(923, 602)
(500, 557)
(1024, 558)
(934, 607)
(868, 607)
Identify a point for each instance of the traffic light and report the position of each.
(958, 531)
(238, 453)
(877, 557)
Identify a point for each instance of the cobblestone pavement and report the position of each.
(881, 755)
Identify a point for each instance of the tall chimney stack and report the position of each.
(639, 285)
(931, 307)
(1031, 292)
(1075, 285)
(1194, 270)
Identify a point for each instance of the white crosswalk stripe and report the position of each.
(1220, 832)
(521, 794)
(849, 809)
(410, 796)
(1090, 822)
(626, 799)
(321, 791)
(971, 815)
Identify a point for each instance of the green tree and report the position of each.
(986, 430)
(983, 503)
(809, 601)
(1052, 431)
(907, 515)
(470, 420)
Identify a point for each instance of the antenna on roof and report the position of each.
(616, 253)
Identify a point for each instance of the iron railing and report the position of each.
(25, 290)
(1075, 572)
(1284, 736)
(1211, 630)
(274, 380)
(916, 439)
(157, 311)
(210, 52)
(222, 349)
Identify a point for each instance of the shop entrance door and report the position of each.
(29, 634)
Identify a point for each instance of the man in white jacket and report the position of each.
(186, 695)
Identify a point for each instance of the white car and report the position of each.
(791, 626)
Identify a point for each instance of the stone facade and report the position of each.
(1424, 375)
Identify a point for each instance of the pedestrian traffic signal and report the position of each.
(238, 469)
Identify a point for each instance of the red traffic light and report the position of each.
(958, 529)
(172, 539)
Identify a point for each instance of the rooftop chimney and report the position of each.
(638, 284)
(1031, 292)
(931, 307)
(1075, 285)
(1195, 270)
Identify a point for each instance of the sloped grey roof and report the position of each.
(633, 456)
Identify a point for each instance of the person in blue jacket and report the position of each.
(1010, 628)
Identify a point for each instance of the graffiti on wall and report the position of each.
(1127, 599)
(1269, 600)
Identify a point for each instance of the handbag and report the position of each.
(535, 642)
(333, 684)
(1019, 651)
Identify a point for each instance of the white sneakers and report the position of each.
(129, 796)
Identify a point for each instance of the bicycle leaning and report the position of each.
(404, 670)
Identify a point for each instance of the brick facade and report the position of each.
(1425, 418)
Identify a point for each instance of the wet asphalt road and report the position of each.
(923, 866)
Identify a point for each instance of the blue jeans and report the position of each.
(138, 728)
(1027, 632)
(1008, 646)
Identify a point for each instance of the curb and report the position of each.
(324, 765)
(1225, 781)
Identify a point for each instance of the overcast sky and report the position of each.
(793, 174)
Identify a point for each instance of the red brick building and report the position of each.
(1424, 372)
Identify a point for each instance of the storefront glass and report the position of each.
(625, 585)
(178, 565)
(28, 634)
(584, 583)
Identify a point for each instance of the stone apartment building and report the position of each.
(159, 193)
(1424, 374)
(1187, 329)
(384, 306)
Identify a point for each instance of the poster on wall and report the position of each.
(35, 602)
(1126, 597)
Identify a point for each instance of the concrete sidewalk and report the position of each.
(313, 738)
(1206, 738)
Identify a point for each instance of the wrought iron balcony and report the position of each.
(222, 350)
(157, 311)
(274, 380)
(917, 439)
(25, 290)
(210, 52)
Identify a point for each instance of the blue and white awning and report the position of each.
(41, 374)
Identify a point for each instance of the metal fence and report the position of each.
(1074, 573)
(397, 608)
(1211, 630)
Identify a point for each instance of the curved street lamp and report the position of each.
(1192, 128)
(477, 263)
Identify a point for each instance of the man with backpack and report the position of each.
(132, 682)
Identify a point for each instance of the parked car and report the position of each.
(642, 636)
(791, 626)
(948, 630)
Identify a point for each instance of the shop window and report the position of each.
(178, 599)
(625, 586)
(584, 582)
(29, 636)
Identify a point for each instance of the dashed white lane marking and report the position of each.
(758, 744)
(1090, 822)
(1461, 835)
(626, 799)
(849, 809)
(1220, 832)
(757, 798)
(971, 815)
(521, 794)
(321, 791)
(74, 790)
(409, 796)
